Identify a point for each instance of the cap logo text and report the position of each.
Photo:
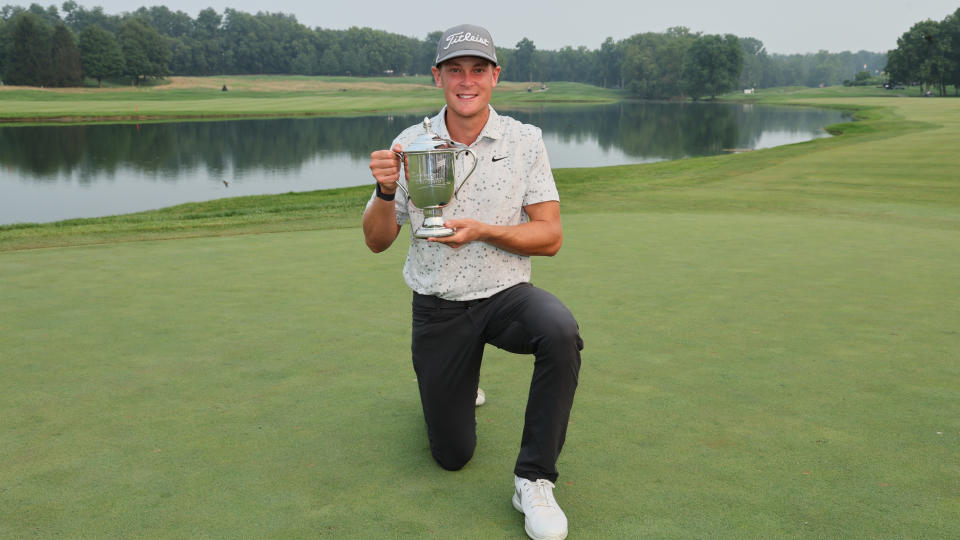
(459, 37)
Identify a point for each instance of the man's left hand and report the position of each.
(541, 235)
(465, 231)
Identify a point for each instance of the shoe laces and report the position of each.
(539, 493)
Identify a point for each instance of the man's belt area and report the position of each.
(436, 302)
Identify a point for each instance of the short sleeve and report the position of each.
(541, 186)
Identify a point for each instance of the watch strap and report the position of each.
(385, 196)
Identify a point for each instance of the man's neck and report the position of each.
(466, 130)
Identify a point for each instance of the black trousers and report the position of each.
(448, 342)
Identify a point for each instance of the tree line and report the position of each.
(928, 55)
(60, 47)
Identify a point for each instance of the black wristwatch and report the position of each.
(385, 196)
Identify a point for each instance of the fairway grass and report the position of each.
(744, 376)
(771, 352)
(202, 98)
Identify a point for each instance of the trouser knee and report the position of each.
(562, 332)
(453, 457)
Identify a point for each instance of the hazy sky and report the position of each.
(784, 27)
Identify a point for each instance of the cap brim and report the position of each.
(466, 52)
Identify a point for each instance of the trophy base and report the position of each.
(432, 226)
(433, 232)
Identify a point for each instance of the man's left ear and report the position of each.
(496, 75)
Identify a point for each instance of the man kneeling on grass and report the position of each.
(472, 288)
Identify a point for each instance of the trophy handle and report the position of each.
(475, 161)
(403, 160)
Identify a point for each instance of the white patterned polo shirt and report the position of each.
(512, 171)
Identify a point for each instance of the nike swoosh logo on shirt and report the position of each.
(496, 159)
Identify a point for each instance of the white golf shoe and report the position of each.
(544, 520)
(481, 397)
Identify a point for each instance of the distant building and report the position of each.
(748, 90)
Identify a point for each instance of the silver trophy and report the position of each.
(428, 164)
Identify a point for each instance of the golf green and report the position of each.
(745, 375)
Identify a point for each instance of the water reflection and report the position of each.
(59, 172)
(167, 150)
(655, 131)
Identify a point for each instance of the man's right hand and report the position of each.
(385, 167)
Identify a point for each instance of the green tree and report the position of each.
(365, 51)
(569, 64)
(712, 65)
(305, 62)
(207, 52)
(523, 65)
(263, 43)
(425, 54)
(77, 18)
(400, 51)
(825, 69)
(951, 27)
(50, 15)
(166, 22)
(921, 56)
(610, 60)
(68, 7)
(145, 51)
(653, 62)
(28, 52)
(244, 42)
(328, 48)
(862, 78)
(207, 24)
(639, 70)
(3, 47)
(898, 67)
(183, 58)
(756, 63)
(65, 58)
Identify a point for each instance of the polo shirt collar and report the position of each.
(493, 129)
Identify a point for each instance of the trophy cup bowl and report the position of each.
(429, 164)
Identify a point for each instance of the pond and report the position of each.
(49, 173)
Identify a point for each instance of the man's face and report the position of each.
(467, 84)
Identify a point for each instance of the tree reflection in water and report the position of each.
(279, 155)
